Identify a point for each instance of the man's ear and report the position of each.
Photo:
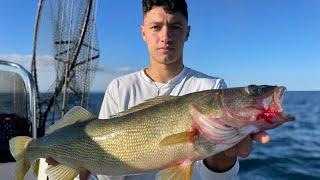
(188, 33)
(142, 32)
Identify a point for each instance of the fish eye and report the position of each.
(266, 88)
(253, 90)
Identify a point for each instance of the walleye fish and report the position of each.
(165, 133)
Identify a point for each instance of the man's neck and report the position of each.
(163, 73)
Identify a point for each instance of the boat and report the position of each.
(24, 111)
(17, 112)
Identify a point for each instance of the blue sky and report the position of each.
(244, 41)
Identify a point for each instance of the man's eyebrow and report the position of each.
(178, 23)
(156, 22)
(170, 23)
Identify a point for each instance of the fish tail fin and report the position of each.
(35, 167)
(18, 147)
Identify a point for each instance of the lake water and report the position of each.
(294, 150)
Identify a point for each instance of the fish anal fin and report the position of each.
(61, 172)
(146, 104)
(180, 138)
(76, 114)
(181, 172)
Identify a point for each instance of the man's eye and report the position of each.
(177, 27)
(155, 27)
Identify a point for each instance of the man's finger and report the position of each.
(232, 152)
(84, 174)
(245, 147)
(261, 137)
(51, 161)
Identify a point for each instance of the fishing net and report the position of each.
(66, 51)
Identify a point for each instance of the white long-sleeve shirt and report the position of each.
(132, 89)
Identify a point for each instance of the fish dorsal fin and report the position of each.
(76, 114)
(184, 137)
(146, 104)
(181, 171)
(61, 172)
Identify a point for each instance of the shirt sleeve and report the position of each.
(109, 105)
(207, 174)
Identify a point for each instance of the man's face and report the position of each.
(165, 35)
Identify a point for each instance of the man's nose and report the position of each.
(166, 34)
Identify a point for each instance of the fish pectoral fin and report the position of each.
(180, 138)
(76, 114)
(183, 172)
(61, 172)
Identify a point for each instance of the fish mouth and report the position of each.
(272, 110)
(273, 100)
(278, 97)
(264, 112)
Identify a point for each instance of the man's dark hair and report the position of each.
(170, 6)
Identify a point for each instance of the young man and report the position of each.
(165, 29)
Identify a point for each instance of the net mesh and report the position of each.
(67, 52)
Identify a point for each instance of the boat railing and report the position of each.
(17, 106)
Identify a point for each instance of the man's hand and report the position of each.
(84, 174)
(225, 160)
(51, 161)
